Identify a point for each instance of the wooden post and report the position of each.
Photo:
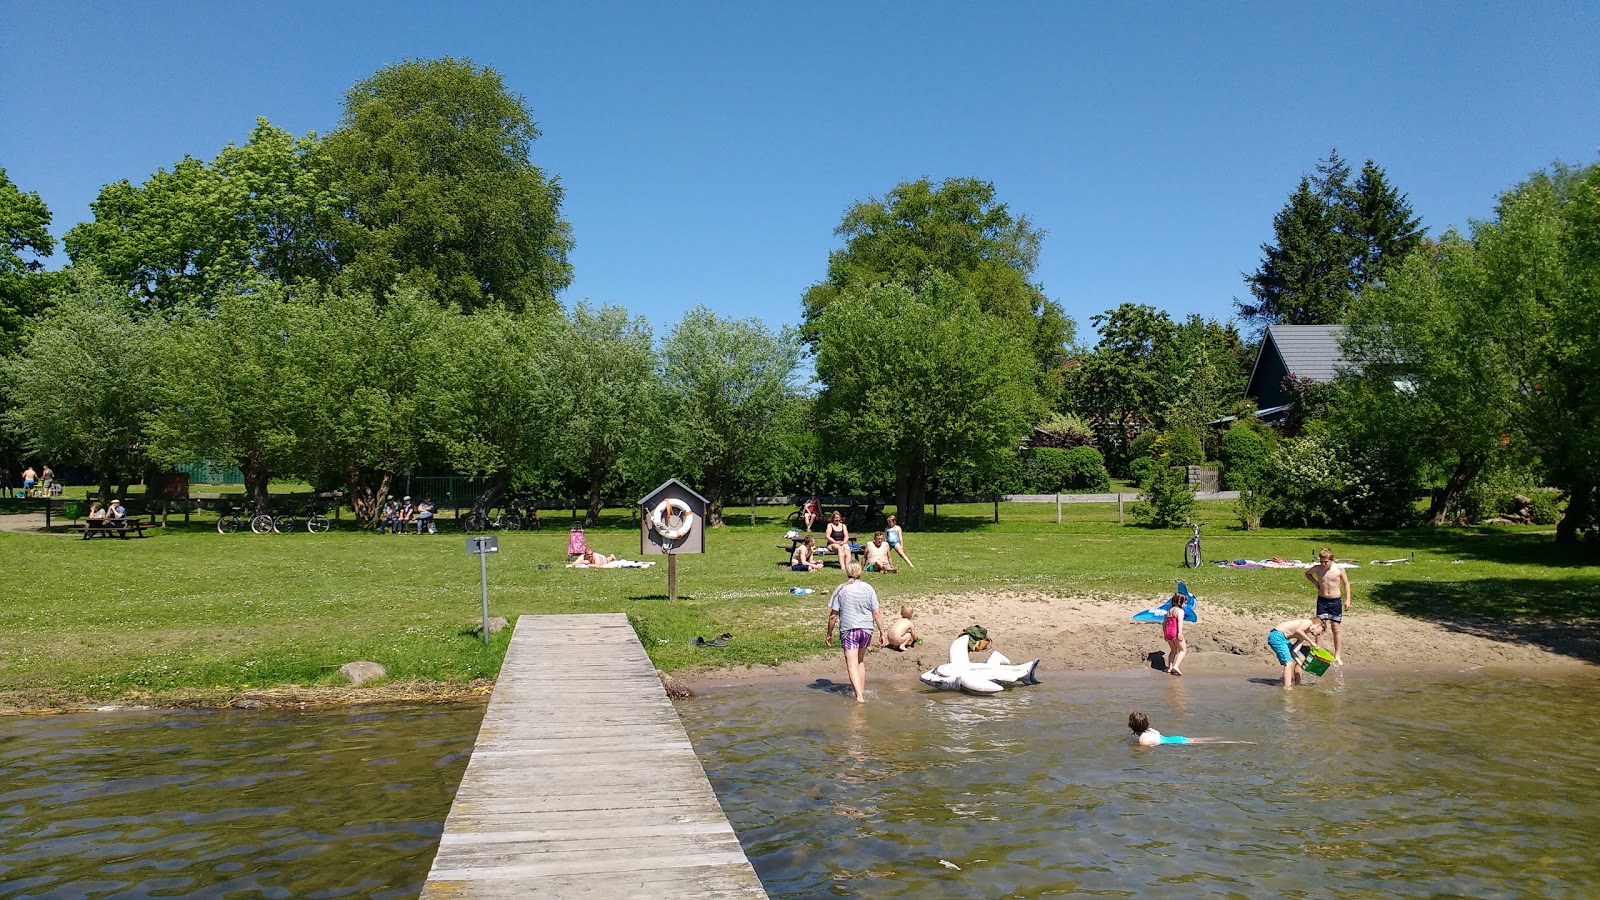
(752, 509)
(997, 509)
(1058, 507)
(1119, 507)
(187, 504)
(47, 502)
(672, 575)
(166, 509)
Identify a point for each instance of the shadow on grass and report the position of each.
(1484, 544)
(1556, 614)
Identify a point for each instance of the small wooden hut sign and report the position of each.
(672, 520)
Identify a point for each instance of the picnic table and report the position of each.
(122, 530)
(795, 539)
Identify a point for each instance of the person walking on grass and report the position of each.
(853, 610)
(1172, 630)
(1334, 597)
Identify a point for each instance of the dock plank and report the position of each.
(583, 783)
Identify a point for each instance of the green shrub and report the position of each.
(1315, 481)
(1249, 507)
(1078, 469)
(1243, 453)
(1141, 469)
(1167, 501)
(1141, 446)
(1545, 509)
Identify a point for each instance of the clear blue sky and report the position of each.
(708, 150)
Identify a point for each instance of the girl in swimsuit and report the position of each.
(839, 539)
(1172, 630)
(897, 540)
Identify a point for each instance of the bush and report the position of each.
(1313, 482)
(1167, 501)
(1249, 507)
(1545, 509)
(1141, 469)
(1243, 453)
(1078, 469)
(1179, 447)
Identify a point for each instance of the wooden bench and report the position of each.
(107, 529)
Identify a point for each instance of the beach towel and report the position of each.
(1239, 564)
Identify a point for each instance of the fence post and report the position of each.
(1119, 507)
(996, 515)
(752, 509)
(1058, 507)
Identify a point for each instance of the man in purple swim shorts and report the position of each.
(853, 611)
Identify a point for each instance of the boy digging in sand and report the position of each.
(902, 634)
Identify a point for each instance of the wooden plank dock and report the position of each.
(583, 782)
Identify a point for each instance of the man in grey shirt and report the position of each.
(853, 610)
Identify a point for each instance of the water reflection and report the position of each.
(320, 804)
(1477, 785)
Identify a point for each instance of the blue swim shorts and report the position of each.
(1174, 739)
(1280, 645)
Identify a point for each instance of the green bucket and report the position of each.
(1317, 661)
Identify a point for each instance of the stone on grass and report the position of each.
(496, 625)
(359, 672)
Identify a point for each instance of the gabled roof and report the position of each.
(663, 487)
(1310, 351)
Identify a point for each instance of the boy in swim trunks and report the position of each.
(1303, 632)
(1333, 595)
(902, 633)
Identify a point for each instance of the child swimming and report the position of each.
(1145, 736)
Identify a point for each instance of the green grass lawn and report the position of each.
(190, 609)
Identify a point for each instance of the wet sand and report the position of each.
(1097, 635)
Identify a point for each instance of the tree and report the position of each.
(1330, 241)
(80, 382)
(726, 381)
(1119, 386)
(432, 163)
(261, 212)
(955, 228)
(602, 370)
(233, 385)
(24, 285)
(917, 379)
(378, 373)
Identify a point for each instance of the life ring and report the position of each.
(668, 509)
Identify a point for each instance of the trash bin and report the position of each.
(72, 509)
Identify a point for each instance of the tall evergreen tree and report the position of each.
(1331, 239)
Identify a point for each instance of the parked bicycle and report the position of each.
(1191, 551)
(516, 515)
(311, 519)
(235, 519)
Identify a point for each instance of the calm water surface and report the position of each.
(1480, 784)
(211, 804)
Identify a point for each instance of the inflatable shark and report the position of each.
(978, 678)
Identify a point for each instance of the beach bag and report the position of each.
(575, 542)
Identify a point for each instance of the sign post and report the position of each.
(481, 547)
(672, 520)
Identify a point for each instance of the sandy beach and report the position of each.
(1084, 634)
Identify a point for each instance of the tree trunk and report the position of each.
(1466, 470)
(366, 501)
(911, 493)
(715, 490)
(491, 495)
(255, 484)
(1580, 499)
(597, 501)
(122, 489)
(105, 487)
(902, 494)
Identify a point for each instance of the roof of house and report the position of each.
(1310, 351)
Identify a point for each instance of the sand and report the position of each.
(1081, 634)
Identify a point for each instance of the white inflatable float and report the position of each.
(959, 674)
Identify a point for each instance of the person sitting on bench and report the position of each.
(97, 514)
(117, 514)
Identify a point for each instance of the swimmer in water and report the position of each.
(1146, 736)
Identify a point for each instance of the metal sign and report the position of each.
(477, 546)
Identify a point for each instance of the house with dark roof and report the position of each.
(1309, 351)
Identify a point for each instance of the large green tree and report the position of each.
(25, 242)
(199, 233)
(920, 378)
(438, 189)
(605, 395)
(81, 383)
(956, 229)
(726, 381)
(1331, 239)
(1119, 386)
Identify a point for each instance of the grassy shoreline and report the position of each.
(188, 613)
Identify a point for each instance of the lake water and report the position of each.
(207, 804)
(1476, 784)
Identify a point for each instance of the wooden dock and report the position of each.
(583, 782)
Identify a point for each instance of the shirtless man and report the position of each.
(877, 554)
(1333, 595)
(1300, 632)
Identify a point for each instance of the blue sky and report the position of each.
(709, 150)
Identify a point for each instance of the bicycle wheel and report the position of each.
(285, 524)
(1191, 556)
(473, 521)
(228, 523)
(317, 524)
(261, 524)
(531, 523)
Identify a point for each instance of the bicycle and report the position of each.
(311, 518)
(1191, 551)
(232, 521)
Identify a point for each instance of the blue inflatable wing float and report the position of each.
(1158, 614)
